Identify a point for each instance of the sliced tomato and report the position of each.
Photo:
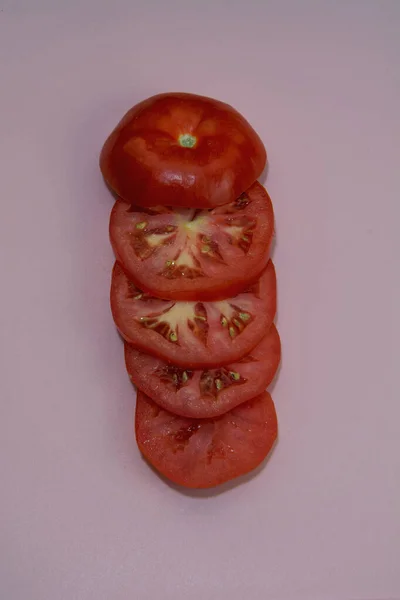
(190, 254)
(194, 334)
(203, 453)
(182, 150)
(205, 393)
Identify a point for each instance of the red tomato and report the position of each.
(194, 334)
(190, 254)
(202, 453)
(182, 150)
(205, 393)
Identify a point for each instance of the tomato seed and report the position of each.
(141, 225)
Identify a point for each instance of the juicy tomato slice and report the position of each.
(205, 393)
(202, 453)
(194, 334)
(191, 254)
(182, 150)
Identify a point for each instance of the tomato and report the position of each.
(191, 254)
(205, 393)
(182, 150)
(194, 334)
(202, 453)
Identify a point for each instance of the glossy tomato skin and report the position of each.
(189, 254)
(204, 453)
(194, 334)
(205, 393)
(179, 149)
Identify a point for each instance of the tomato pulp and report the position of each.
(179, 149)
(194, 334)
(190, 254)
(205, 393)
(202, 453)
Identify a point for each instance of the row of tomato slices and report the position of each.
(193, 295)
(193, 291)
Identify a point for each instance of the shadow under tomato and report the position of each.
(264, 175)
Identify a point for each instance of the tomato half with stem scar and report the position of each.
(182, 149)
(194, 334)
(203, 453)
(191, 254)
(205, 393)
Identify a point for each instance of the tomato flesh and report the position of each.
(182, 150)
(205, 393)
(203, 453)
(189, 254)
(194, 334)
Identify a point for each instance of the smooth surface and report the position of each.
(81, 515)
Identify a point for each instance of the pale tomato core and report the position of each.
(187, 140)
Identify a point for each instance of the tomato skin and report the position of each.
(194, 394)
(173, 331)
(144, 162)
(230, 265)
(204, 453)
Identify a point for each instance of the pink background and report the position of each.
(81, 515)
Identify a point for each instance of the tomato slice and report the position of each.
(203, 453)
(194, 334)
(190, 254)
(205, 393)
(182, 150)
